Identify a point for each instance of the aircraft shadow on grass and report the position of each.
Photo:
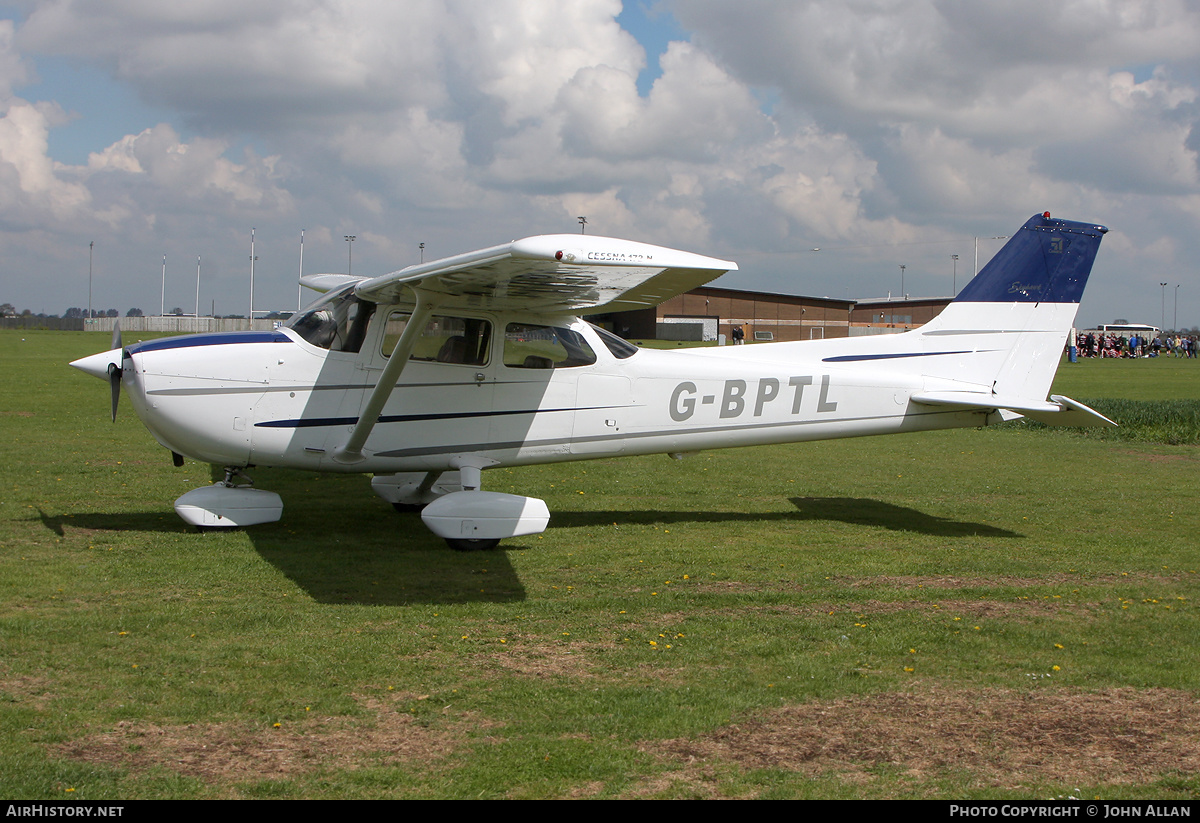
(389, 561)
(851, 510)
(153, 521)
(860, 511)
(402, 566)
(395, 563)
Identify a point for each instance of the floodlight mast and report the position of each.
(252, 259)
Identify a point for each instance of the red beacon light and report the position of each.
(1046, 215)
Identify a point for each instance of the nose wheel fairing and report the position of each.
(224, 505)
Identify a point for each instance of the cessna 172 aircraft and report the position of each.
(427, 376)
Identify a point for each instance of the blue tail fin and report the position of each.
(1016, 314)
(1046, 261)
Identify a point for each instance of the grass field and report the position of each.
(1006, 612)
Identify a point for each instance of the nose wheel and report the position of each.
(474, 545)
(236, 471)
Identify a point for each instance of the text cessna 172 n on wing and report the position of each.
(428, 376)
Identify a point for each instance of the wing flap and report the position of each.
(553, 273)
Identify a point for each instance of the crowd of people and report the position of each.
(1099, 344)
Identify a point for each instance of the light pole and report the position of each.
(1175, 322)
(902, 268)
(350, 238)
(91, 246)
(162, 301)
(421, 246)
(582, 224)
(197, 286)
(997, 237)
(253, 259)
(1162, 320)
(299, 288)
(954, 277)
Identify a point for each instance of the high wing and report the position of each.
(552, 273)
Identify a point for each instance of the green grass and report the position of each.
(1153, 400)
(1147, 378)
(669, 608)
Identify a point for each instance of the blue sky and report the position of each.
(104, 110)
(883, 133)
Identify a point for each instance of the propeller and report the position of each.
(107, 364)
(115, 371)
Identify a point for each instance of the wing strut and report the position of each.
(351, 451)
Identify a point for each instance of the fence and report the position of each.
(169, 324)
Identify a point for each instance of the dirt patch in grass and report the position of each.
(949, 582)
(223, 753)
(543, 660)
(950, 608)
(1150, 457)
(735, 586)
(1005, 739)
(1064, 584)
(33, 691)
(998, 609)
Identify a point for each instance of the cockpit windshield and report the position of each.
(620, 347)
(338, 321)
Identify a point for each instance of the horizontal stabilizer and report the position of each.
(1057, 411)
(1074, 413)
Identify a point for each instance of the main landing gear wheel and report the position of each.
(472, 545)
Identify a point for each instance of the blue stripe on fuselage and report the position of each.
(211, 339)
(850, 358)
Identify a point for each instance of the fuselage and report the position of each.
(279, 399)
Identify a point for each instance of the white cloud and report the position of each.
(462, 123)
(695, 111)
(31, 190)
(192, 170)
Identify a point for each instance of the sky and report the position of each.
(820, 144)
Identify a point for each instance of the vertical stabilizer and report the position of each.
(1046, 261)
(1020, 308)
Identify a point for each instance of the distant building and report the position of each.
(897, 313)
(706, 312)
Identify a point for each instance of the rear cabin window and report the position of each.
(545, 347)
(461, 340)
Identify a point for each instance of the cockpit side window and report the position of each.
(528, 346)
(461, 340)
(337, 322)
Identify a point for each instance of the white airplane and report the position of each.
(427, 376)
